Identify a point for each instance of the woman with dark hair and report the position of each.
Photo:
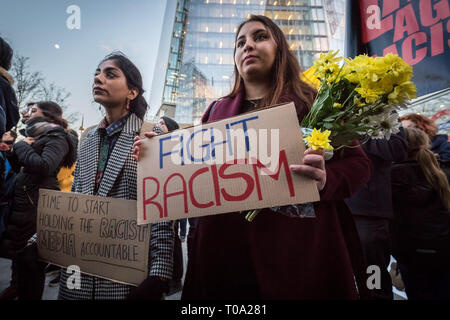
(9, 113)
(37, 160)
(278, 256)
(421, 224)
(105, 167)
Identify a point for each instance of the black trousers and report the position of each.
(30, 274)
(376, 246)
(177, 257)
(27, 271)
(8, 252)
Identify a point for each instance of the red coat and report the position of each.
(275, 256)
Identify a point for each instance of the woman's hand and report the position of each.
(29, 140)
(313, 166)
(137, 144)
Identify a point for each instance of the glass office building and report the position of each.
(200, 65)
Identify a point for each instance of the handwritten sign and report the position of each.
(236, 164)
(98, 234)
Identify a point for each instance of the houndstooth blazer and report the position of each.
(119, 181)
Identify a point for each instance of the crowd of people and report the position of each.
(381, 198)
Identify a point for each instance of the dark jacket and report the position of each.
(441, 146)
(275, 256)
(37, 166)
(421, 223)
(374, 198)
(9, 112)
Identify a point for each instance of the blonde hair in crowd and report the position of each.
(418, 149)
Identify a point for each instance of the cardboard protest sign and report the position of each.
(98, 234)
(236, 164)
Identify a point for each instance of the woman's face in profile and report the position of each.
(408, 124)
(110, 84)
(34, 111)
(256, 50)
(162, 125)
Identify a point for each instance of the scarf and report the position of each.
(38, 126)
(6, 75)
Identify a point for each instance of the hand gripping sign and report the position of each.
(236, 164)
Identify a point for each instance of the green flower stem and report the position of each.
(252, 214)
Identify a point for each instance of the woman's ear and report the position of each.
(133, 94)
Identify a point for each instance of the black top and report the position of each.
(421, 220)
(250, 105)
(8, 102)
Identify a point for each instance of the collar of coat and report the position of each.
(132, 125)
(231, 106)
(6, 75)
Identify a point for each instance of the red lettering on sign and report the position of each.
(248, 179)
(390, 6)
(149, 201)
(405, 21)
(429, 15)
(274, 175)
(386, 24)
(407, 49)
(216, 184)
(448, 30)
(437, 39)
(391, 49)
(191, 189)
(173, 194)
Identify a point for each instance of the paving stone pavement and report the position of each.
(51, 293)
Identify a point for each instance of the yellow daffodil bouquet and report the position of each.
(356, 100)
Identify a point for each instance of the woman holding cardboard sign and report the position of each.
(106, 167)
(277, 256)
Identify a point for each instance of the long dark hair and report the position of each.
(286, 69)
(6, 54)
(418, 149)
(138, 105)
(52, 113)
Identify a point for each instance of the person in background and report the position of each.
(9, 116)
(37, 159)
(9, 112)
(8, 139)
(371, 207)
(421, 223)
(25, 113)
(8, 176)
(439, 144)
